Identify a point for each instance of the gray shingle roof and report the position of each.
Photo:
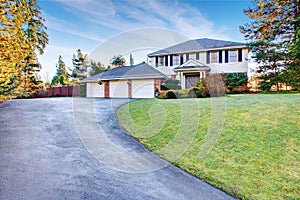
(196, 45)
(142, 70)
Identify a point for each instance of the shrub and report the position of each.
(239, 90)
(215, 85)
(170, 84)
(183, 93)
(198, 92)
(171, 94)
(235, 79)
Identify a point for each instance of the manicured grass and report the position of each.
(256, 156)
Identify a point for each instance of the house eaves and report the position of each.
(198, 45)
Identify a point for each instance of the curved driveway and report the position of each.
(49, 150)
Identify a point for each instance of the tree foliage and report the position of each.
(22, 35)
(273, 36)
(235, 79)
(61, 77)
(80, 66)
(118, 61)
(131, 60)
(95, 68)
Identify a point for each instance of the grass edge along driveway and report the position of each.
(256, 155)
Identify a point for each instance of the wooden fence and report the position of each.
(65, 91)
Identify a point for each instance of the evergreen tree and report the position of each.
(21, 33)
(273, 36)
(95, 68)
(131, 60)
(80, 66)
(118, 61)
(61, 77)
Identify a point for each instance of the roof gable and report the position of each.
(197, 45)
(192, 65)
(142, 70)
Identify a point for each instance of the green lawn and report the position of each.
(255, 140)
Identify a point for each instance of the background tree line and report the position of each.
(82, 68)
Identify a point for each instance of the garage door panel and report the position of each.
(94, 90)
(118, 89)
(143, 88)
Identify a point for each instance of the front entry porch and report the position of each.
(191, 72)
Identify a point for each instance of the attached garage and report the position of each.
(138, 81)
(94, 90)
(118, 89)
(143, 88)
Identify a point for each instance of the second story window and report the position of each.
(214, 57)
(161, 61)
(176, 60)
(192, 56)
(233, 56)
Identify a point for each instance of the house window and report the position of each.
(166, 61)
(233, 56)
(197, 56)
(240, 55)
(176, 60)
(192, 56)
(226, 56)
(220, 56)
(208, 57)
(181, 59)
(214, 57)
(161, 61)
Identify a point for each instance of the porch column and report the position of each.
(182, 80)
(169, 60)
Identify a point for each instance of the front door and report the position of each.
(190, 80)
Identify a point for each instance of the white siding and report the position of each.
(94, 90)
(118, 89)
(143, 88)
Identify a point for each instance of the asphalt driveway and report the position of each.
(73, 148)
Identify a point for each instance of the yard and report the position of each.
(255, 156)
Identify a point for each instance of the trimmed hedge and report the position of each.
(194, 92)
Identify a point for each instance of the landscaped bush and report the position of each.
(215, 86)
(239, 90)
(170, 84)
(198, 92)
(235, 79)
(171, 94)
(212, 86)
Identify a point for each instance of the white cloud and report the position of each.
(133, 14)
(67, 27)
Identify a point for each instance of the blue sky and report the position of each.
(86, 24)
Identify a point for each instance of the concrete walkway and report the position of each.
(73, 148)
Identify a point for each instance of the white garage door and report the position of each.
(118, 89)
(143, 88)
(94, 90)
